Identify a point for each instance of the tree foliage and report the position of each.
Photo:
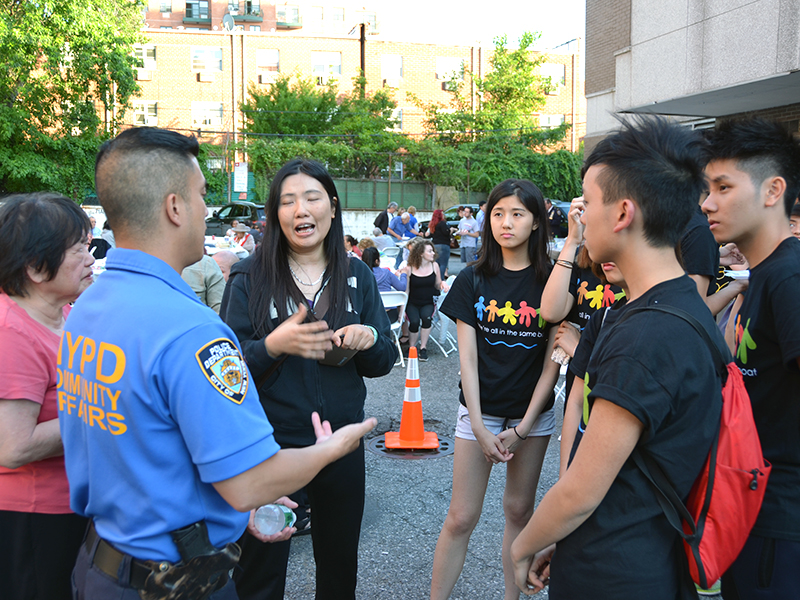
(352, 134)
(68, 63)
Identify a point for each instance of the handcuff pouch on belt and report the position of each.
(203, 569)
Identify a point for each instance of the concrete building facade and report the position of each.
(697, 60)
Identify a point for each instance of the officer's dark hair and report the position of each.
(270, 277)
(762, 149)
(136, 170)
(657, 164)
(36, 230)
(490, 260)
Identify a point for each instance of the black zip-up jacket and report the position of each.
(299, 385)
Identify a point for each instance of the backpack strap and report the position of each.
(671, 504)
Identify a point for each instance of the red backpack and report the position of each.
(726, 497)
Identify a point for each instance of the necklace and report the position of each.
(301, 282)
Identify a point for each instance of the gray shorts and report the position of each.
(545, 424)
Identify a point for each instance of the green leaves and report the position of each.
(66, 60)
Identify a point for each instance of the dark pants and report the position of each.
(37, 553)
(766, 569)
(416, 314)
(336, 497)
(442, 258)
(90, 583)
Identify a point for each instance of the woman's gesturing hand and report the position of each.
(309, 340)
(354, 337)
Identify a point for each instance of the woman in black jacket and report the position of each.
(289, 304)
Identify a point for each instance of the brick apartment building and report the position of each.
(696, 60)
(195, 72)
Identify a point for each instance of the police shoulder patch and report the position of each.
(224, 367)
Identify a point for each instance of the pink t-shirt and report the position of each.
(28, 371)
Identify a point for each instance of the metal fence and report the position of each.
(373, 194)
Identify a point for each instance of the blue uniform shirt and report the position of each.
(155, 404)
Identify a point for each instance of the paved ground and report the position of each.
(407, 501)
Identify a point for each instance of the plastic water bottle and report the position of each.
(272, 518)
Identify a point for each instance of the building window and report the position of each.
(197, 9)
(166, 27)
(326, 66)
(145, 56)
(166, 7)
(550, 121)
(336, 13)
(317, 13)
(288, 14)
(370, 19)
(255, 27)
(397, 119)
(206, 59)
(207, 114)
(391, 67)
(145, 113)
(553, 76)
(245, 7)
(449, 68)
(268, 59)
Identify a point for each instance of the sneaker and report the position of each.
(423, 354)
(714, 590)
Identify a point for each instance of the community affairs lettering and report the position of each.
(87, 372)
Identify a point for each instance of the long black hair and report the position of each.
(271, 280)
(490, 260)
(372, 257)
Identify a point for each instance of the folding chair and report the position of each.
(396, 300)
(446, 342)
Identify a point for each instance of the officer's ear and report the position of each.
(175, 209)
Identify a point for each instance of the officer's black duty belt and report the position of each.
(108, 560)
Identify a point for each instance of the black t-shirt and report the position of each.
(590, 295)
(699, 250)
(657, 367)
(767, 346)
(441, 233)
(511, 336)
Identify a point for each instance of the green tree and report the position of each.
(351, 133)
(68, 64)
(508, 96)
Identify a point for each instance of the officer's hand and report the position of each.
(281, 536)
(346, 438)
(354, 337)
(309, 340)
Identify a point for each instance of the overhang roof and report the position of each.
(776, 90)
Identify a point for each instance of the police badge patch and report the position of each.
(224, 367)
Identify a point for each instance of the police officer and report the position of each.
(166, 445)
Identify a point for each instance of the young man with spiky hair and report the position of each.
(651, 384)
(754, 179)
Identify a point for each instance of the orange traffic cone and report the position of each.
(412, 433)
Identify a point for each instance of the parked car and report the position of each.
(219, 221)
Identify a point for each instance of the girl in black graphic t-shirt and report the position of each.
(507, 378)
